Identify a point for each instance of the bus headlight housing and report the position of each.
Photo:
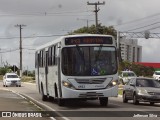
(112, 83)
(68, 84)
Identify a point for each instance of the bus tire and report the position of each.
(61, 102)
(56, 91)
(103, 101)
(51, 98)
(44, 97)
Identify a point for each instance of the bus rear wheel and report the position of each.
(103, 101)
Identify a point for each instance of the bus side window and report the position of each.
(49, 52)
(41, 58)
(55, 55)
(36, 60)
(50, 56)
(44, 58)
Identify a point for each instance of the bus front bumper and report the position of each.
(87, 94)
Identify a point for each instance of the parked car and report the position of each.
(156, 75)
(11, 79)
(142, 90)
(125, 76)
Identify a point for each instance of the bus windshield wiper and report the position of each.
(80, 53)
(98, 53)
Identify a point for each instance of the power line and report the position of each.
(29, 48)
(33, 36)
(65, 13)
(16, 49)
(68, 12)
(132, 21)
(11, 50)
(143, 26)
(87, 20)
(154, 28)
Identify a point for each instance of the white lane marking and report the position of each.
(65, 118)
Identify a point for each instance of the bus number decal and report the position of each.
(81, 86)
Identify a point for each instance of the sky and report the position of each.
(53, 18)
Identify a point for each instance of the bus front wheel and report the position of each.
(61, 102)
(103, 101)
(44, 97)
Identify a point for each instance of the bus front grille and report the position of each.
(91, 95)
(91, 81)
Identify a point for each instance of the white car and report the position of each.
(11, 79)
(125, 76)
(156, 75)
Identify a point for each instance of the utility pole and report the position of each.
(20, 46)
(96, 12)
(1, 58)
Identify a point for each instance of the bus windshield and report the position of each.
(89, 60)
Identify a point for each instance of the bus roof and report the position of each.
(65, 36)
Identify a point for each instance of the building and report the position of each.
(130, 50)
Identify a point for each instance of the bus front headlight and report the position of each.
(112, 83)
(68, 85)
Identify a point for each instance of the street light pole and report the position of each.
(20, 46)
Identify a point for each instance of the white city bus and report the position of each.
(78, 67)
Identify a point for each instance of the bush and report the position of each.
(27, 79)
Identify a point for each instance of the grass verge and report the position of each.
(28, 79)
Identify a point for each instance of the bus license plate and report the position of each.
(81, 86)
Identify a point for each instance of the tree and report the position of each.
(101, 30)
(5, 69)
(29, 73)
(140, 70)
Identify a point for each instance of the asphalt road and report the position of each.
(120, 110)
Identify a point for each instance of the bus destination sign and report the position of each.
(88, 40)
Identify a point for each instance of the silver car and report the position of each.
(142, 90)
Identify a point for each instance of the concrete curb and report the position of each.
(38, 104)
(45, 108)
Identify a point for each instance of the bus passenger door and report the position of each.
(46, 71)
